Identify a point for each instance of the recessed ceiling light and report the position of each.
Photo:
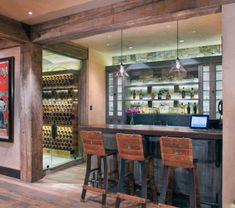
(181, 41)
(30, 13)
(107, 44)
(130, 47)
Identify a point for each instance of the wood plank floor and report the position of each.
(60, 189)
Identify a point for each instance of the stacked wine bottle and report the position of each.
(62, 80)
(63, 141)
(60, 107)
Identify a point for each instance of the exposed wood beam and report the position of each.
(31, 112)
(4, 43)
(69, 49)
(13, 30)
(125, 14)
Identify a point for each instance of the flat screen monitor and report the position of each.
(199, 121)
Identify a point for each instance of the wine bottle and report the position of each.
(183, 93)
(188, 108)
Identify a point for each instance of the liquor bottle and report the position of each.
(141, 95)
(159, 95)
(134, 94)
(195, 108)
(192, 93)
(183, 93)
(188, 108)
(182, 108)
(168, 95)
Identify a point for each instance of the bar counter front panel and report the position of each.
(207, 149)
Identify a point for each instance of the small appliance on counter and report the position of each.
(220, 110)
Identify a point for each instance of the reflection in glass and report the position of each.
(219, 85)
(206, 76)
(206, 95)
(206, 86)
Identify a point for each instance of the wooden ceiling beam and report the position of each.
(4, 43)
(13, 30)
(125, 14)
(69, 49)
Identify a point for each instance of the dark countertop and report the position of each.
(154, 130)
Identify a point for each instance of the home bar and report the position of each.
(118, 103)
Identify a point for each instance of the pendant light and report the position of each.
(122, 72)
(178, 70)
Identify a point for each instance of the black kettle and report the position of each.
(220, 107)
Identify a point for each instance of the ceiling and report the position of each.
(45, 10)
(193, 32)
(197, 31)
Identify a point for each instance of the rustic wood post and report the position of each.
(31, 112)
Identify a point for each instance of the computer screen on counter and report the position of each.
(199, 121)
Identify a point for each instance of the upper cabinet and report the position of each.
(114, 95)
(152, 90)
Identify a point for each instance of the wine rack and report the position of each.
(60, 107)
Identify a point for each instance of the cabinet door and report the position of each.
(211, 89)
(114, 99)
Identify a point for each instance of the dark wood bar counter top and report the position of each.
(154, 130)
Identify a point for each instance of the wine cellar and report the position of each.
(60, 113)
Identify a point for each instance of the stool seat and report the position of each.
(130, 149)
(93, 145)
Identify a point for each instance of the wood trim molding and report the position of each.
(13, 30)
(124, 14)
(10, 172)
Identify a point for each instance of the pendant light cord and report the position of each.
(121, 44)
(177, 36)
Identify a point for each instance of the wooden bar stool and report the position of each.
(130, 148)
(178, 153)
(93, 144)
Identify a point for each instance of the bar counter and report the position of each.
(153, 130)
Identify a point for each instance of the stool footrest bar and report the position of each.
(130, 198)
(93, 189)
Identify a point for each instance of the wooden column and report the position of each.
(31, 112)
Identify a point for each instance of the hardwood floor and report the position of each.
(60, 189)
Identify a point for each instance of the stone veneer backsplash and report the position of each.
(202, 51)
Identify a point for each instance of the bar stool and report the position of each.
(130, 148)
(93, 144)
(178, 153)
